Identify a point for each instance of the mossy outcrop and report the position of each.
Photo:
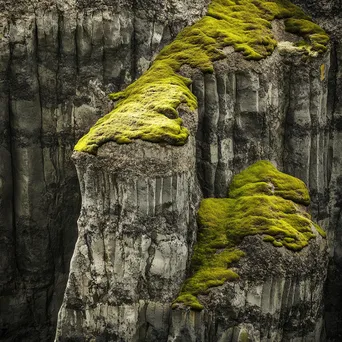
(147, 109)
(263, 201)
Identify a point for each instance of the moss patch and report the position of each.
(263, 178)
(262, 200)
(147, 109)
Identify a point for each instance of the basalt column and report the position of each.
(136, 229)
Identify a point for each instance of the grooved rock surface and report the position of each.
(328, 14)
(274, 109)
(58, 60)
(277, 298)
(136, 231)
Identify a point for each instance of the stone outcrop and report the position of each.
(273, 109)
(58, 61)
(136, 232)
(328, 14)
(60, 58)
(277, 298)
(258, 267)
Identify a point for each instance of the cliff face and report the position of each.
(275, 109)
(58, 61)
(328, 14)
(258, 266)
(278, 297)
(136, 231)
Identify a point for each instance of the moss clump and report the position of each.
(243, 336)
(147, 109)
(320, 230)
(262, 201)
(315, 38)
(263, 178)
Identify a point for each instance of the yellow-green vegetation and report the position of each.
(262, 200)
(263, 178)
(147, 109)
(243, 336)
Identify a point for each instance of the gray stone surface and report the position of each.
(328, 13)
(278, 297)
(274, 109)
(136, 232)
(58, 60)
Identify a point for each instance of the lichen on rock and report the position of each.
(263, 201)
(147, 109)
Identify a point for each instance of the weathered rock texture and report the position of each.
(58, 59)
(277, 298)
(329, 14)
(136, 231)
(275, 109)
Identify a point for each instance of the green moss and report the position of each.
(268, 238)
(262, 177)
(262, 201)
(189, 300)
(277, 243)
(243, 336)
(315, 37)
(320, 230)
(147, 109)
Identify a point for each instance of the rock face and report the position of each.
(277, 298)
(136, 231)
(328, 14)
(274, 109)
(258, 267)
(58, 60)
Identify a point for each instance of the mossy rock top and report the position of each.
(262, 201)
(264, 179)
(147, 109)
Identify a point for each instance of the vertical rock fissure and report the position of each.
(332, 96)
(59, 47)
(152, 35)
(19, 277)
(285, 151)
(11, 148)
(313, 132)
(134, 57)
(104, 80)
(52, 263)
(77, 52)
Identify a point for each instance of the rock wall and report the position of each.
(328, 14)
(275, 109)
(277, 298)
(58, 61)
(136, 232)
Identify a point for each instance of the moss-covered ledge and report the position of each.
(262, 200)
(147, 109)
